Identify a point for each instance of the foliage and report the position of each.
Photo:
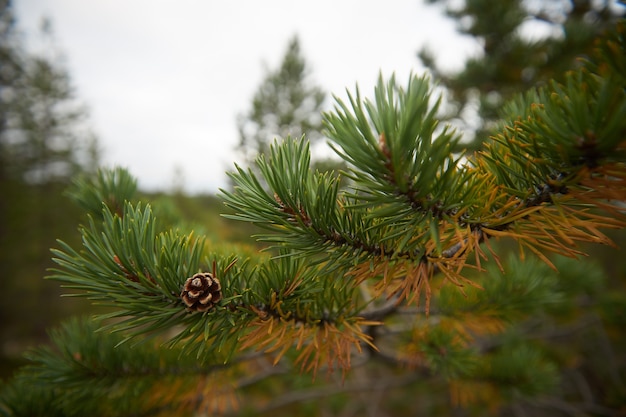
(156, 380)
(523, 44)
(397, 280)
(111, 188)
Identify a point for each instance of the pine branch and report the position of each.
(88, 373)
(111, 187)
(346, 261)
(538, 178)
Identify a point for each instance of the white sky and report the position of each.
(164, 80)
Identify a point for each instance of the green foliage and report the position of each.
(523, 44)
(111, 187)
(88, 372)
(583, 118)
(132, 266)
(404, 141)
(128, 264)
(302, 205)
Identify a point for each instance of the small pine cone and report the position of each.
(201, 292)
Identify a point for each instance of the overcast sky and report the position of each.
(165, 80)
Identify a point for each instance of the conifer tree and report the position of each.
(395, 282)
(44, 137)
(44, 141)
(285, 104)
(522, 44)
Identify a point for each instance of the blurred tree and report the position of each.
(524, 43)
(44, 142)
(286, 104)
(44, 137)
(8, 74)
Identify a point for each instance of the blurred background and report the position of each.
(179, 91)
(171, 77)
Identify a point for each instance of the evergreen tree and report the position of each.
(285, 104)
(43, 136)
(396, 283)
(513, 57)
(44, 142)
(10, 68)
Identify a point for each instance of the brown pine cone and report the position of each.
(201, 292)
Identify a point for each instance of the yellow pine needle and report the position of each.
(493, 253)
(280, 354)
(479, 254)
(523, 212)
(316, 343)
(293, 285)
(355, 329)
(457, 278)
(539, 254)
(261, 336)
(411, 286)
(543, 235)
(301, 335)
(554, 227)
(502, 233)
